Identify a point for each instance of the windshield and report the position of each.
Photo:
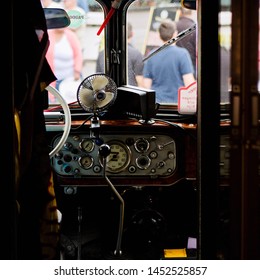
(155, 60)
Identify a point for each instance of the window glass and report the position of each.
(259, 49)
(167, 71)
(225, 51)
(73, 50)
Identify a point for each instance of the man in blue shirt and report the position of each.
(169, 69)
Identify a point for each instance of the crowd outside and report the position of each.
(187, 18)
(169, 69)
(65, 58)
(134, 61)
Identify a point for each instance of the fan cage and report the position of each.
(87, 83)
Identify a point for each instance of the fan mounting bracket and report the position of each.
(94, 127)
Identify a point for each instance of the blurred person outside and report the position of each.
(65, 59)
(169, 69)
(135, 61)
(78, 19)
(186, 20)
(84, 5)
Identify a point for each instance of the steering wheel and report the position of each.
(67, 115)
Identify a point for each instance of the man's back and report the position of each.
(169, 69)
(166, 70)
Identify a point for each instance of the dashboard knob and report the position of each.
(66, 168)
(68, 146)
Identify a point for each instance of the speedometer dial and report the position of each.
(119, 157)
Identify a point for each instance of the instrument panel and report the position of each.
(130, 155)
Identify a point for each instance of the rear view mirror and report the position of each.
(189, 4)
(56, 18)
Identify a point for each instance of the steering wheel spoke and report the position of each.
(67, 116)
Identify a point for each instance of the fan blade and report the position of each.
(109, 97)
(99, 82)
(86, 97)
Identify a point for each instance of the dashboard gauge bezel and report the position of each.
(90, 145)
(82, 161)
(124, 150)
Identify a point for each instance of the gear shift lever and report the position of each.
(104, 151)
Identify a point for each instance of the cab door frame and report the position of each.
(244, 207)
(245, 192)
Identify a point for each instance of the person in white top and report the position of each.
(65, 59)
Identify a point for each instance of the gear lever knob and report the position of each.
(104, 150)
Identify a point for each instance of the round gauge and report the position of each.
(85, 162)
(141, 145)
(87, 145)
(119, 157)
